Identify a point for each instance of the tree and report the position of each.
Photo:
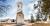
(38, 17)
(32, 18)
(46, 6)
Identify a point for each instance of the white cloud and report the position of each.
(30, 12)
(30, 6)
(26, 17)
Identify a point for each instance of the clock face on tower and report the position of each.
(19, 15)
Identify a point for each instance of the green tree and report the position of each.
(38, 18)
(32, 18)
(46, 6)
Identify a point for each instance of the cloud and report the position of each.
(26, 17)
(30, 5)
(26, 12)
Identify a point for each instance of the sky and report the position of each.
(11, 12)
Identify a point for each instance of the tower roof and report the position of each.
(20, 12)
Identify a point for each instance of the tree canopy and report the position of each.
(46, 6)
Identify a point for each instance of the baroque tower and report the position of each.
(20, 15)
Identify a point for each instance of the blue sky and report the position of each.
(11, 13)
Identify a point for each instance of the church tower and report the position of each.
(20, 15)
